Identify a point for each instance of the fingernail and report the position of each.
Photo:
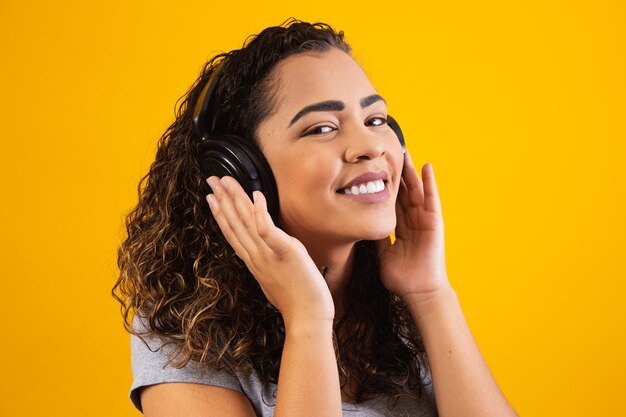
(211, 199)
(224, 183)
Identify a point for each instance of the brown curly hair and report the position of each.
(178, 272)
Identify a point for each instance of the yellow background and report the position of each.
(520, 108)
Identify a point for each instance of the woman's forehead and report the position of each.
(306, 78)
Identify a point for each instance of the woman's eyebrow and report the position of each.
(369, 100)
(334, 105)
(330, 105)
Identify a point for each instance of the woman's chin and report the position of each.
(381, 231)
(379, 235)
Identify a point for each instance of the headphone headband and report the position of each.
(202, 121)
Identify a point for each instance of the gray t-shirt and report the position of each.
(148, 369)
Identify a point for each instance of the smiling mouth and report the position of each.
(370, 187)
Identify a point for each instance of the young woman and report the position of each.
(305, 307)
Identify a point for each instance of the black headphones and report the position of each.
(239, 157)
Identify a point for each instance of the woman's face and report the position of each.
(331, 151)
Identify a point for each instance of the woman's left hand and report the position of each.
(415, 264)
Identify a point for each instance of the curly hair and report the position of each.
(179, 273)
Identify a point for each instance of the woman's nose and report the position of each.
(364, 144)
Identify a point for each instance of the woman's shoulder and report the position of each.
(151, 364)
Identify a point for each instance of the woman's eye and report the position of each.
(377, 121)
(319, 130)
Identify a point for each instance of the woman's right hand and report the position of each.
(280, 263)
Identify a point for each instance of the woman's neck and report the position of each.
(335, 264)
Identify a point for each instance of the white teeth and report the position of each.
(367, 188)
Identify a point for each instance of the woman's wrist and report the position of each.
(307, 326)
(424, 305)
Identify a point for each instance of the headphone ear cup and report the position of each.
(234, 156)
